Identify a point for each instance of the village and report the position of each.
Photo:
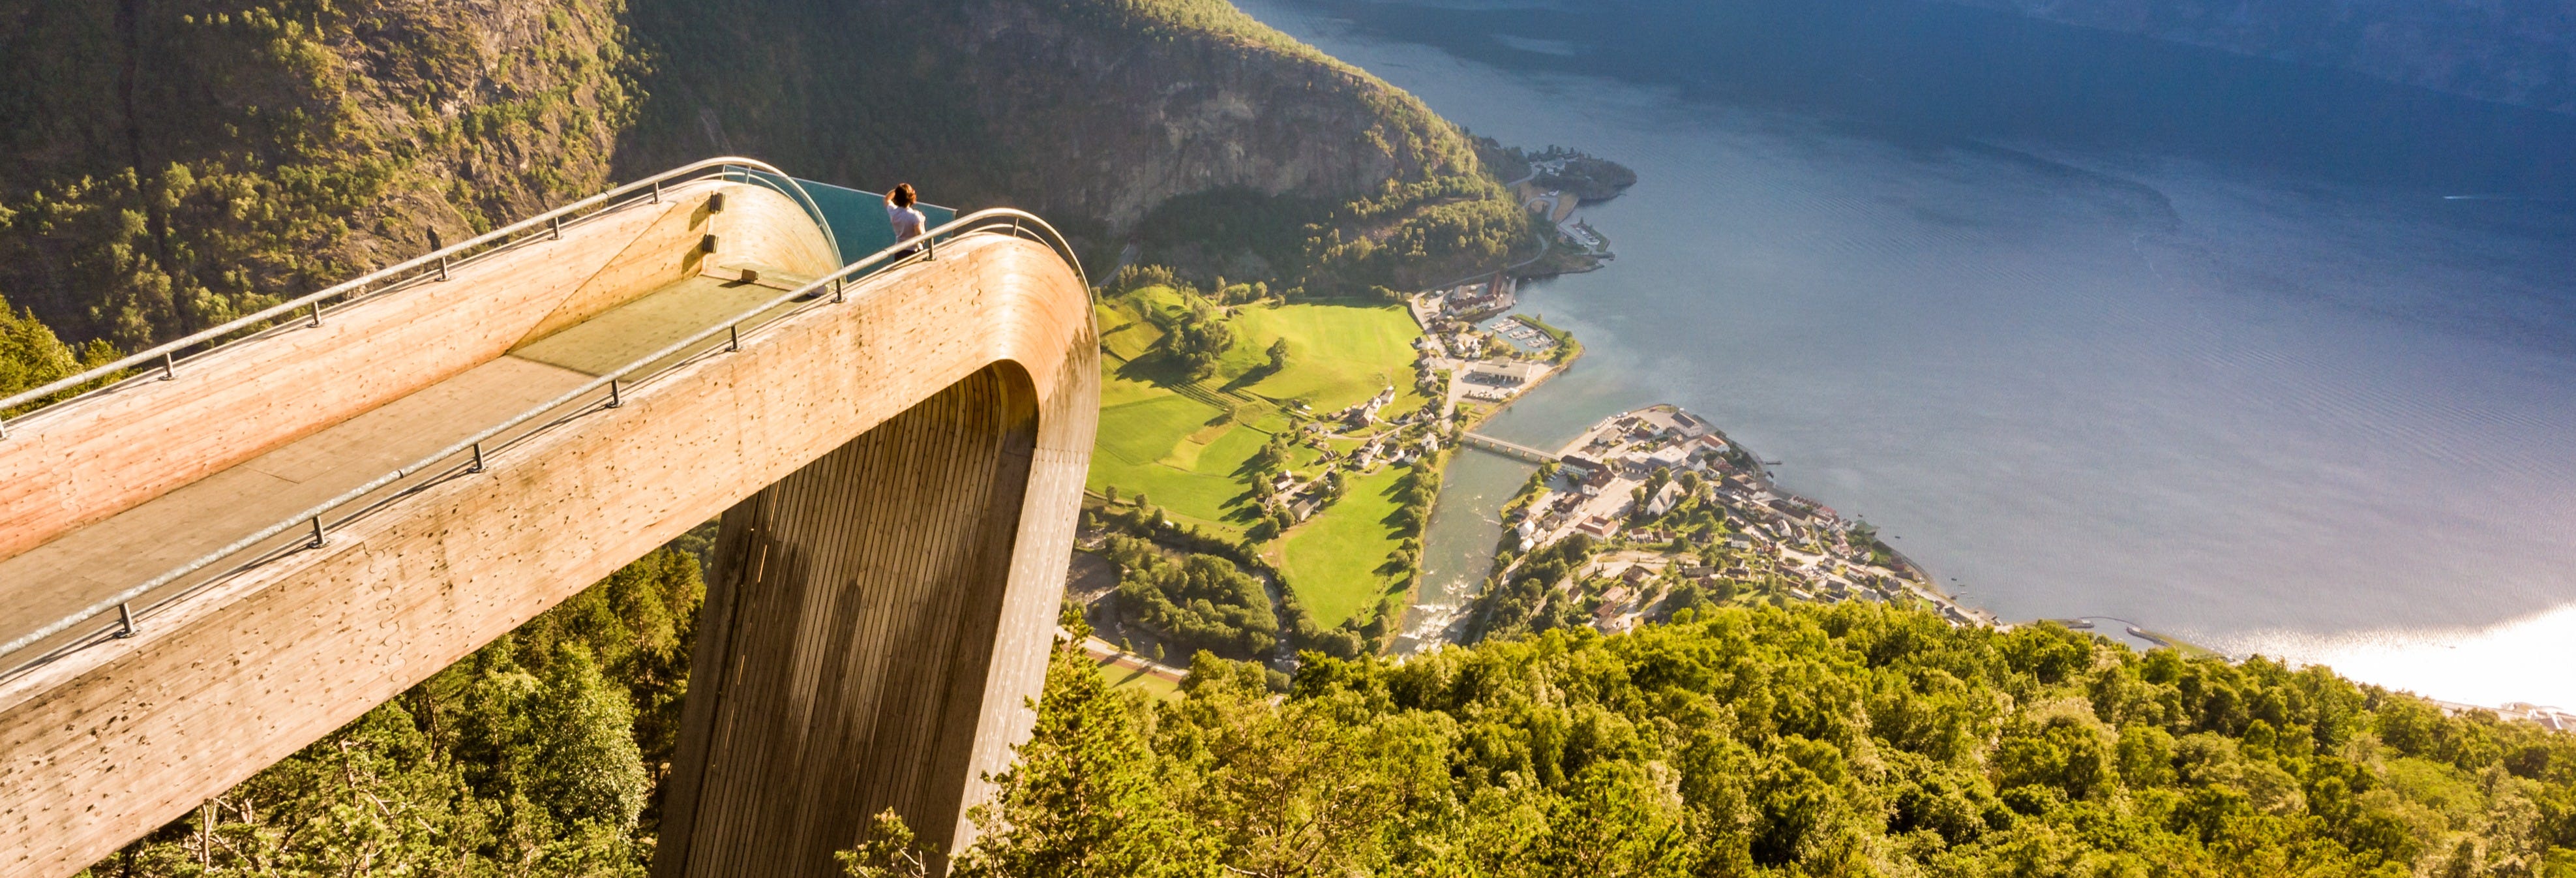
(1482, 353)
(1671, 508)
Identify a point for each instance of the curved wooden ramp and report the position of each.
(898, 469)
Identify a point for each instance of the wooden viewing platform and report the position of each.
(896, 447)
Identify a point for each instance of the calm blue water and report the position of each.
(2093, 325)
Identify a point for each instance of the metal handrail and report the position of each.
(925, 247)
(437, 262)
(797, 191)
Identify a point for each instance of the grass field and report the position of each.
(1332, 559)
(1182, 451)
(1136, 678)
(1154, 441)
(1174, 447)
(1337, 355)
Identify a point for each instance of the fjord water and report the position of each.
(2275, 359)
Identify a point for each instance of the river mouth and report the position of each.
(2237, 381)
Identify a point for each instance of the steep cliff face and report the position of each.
(169, 164)
(2511, 51)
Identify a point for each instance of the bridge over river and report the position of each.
(246, 538)
(1507, 449)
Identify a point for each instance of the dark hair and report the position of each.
(902, 195)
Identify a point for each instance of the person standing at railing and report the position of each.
(908, 221)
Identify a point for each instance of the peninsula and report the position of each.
(1653, 512)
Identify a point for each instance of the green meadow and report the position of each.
(1184, 445)
(1136, 678)
(1333, 559)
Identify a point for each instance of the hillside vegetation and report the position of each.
(1855, 739)
(1850, 740)
(170, 165)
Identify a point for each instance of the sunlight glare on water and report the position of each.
(2249, 380)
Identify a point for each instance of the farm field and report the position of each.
(1185, 445)
(1159, 443)
(1332, 559)
(1338, 355)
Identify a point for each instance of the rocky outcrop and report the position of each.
(2510, 51)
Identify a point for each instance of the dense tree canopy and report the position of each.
(1195, 602)
(1854, 739)
(1847, 740)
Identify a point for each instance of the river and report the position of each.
(2278, 360)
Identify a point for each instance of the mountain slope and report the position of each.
(251, 151)
(173, 164)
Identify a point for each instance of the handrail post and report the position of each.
(733, 337)
(657, 192)
(929, 248)
(613, 399)
(478, 459)
(554, 226)
(442, 266)
(837, 284)
(124, 621)
(169, 366)
(318, 539)
(317, 312)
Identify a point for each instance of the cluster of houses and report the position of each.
(1804, 547)
(1477, 300)
(2550, 718)
(1582, 234)
(1480, 367)
(1615, 457)
(1363, 415)
(1303, 496)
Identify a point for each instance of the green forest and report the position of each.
(1855, 739)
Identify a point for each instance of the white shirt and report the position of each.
(908, 223)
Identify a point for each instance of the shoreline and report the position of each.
(1401, 627)
(1774, 543)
